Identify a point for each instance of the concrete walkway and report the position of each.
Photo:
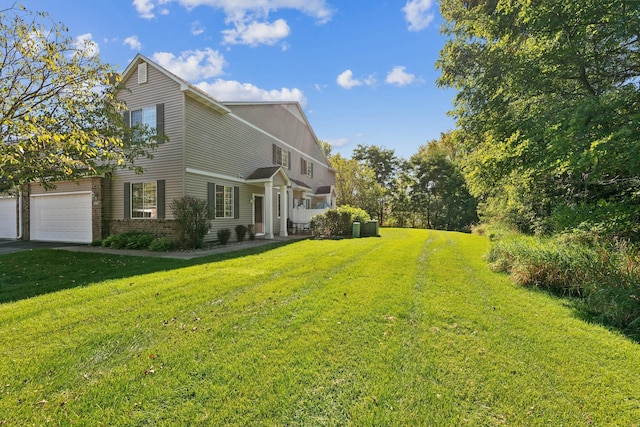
(10, 246)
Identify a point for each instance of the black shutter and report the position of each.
(236, 202)
(159, 119)
(126, 118)
(275, 154)
(303, 169)
(311, 168)
(160, 199)
(211, 199)
(127, 200)
(289, 160)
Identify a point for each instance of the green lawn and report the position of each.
(407, 329)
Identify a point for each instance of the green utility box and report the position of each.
(370, 229)
(356, 229)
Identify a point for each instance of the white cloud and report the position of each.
(231, 90)
(418, 14)
(340, 142)
(197, 28)
(85, 44)
(346, 80)
(248, 18)
(193, 64)
(255, 33)
(237, 8)
(398, 76)
(371, 80)
(144, 8)
(133, 42)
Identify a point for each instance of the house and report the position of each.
(254, 162)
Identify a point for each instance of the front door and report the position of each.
(257, 214)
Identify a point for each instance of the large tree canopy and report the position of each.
(356, 184)
(384, 164)
(548, 102)
(59, 117)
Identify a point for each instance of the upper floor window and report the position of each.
(306, 167)
(151, 118)
(144, 117)
(224, 201)
(281, 157)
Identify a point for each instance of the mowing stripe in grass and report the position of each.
(408, 329)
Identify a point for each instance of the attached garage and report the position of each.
(61, 217)
(8, 220)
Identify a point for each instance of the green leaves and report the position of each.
(547, 89)
(59, 120)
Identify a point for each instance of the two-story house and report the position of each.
(254, 163)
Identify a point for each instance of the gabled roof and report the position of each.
(326, 189)
(267, 174)
(300, 184)
(185, 86)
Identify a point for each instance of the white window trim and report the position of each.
(284, 157)
(142, 111)
(131, 210)
(224, 193)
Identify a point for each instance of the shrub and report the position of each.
(128, 240)
(224, 235)
(162, 244)
(241, 231)
(96, 242)
(193, 218)
(337, 221)
(604, 274)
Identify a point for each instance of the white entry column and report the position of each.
(268, 214)
(284, 211)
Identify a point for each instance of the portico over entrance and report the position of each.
(273, 206)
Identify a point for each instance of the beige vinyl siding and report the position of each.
(63, 187)
(223, 144)
(287, 126)
(168, 161)
(197, 187)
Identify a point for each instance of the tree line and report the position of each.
(427, 190)
(548, 111)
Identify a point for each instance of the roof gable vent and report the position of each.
(142, 72)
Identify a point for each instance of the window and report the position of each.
(278, 205)
(144, 117)
(281, 156)
(306, 202)
(224, 201)
(144, 200)
(306, 168)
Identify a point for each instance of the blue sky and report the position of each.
(362, 70)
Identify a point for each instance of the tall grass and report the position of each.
(605, 275)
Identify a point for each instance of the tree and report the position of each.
(59, 115)
(440, 192)
(547, 104)
(326, 147)
(355, 184)
(401, 205)
(384, 164)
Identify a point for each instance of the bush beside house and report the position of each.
(338, 221)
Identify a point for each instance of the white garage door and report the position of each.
(8, 218)
(61, 217)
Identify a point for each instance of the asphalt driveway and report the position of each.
(10, 246)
